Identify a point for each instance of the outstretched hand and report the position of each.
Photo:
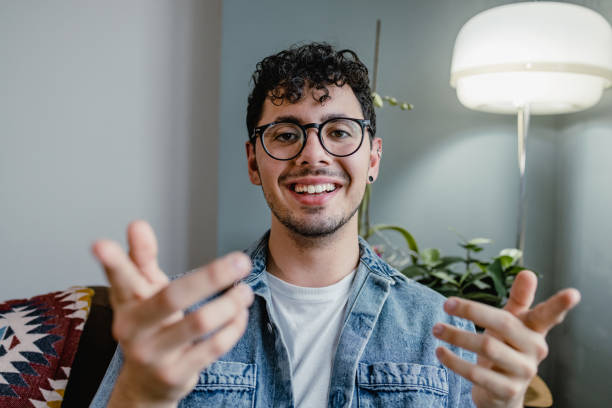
(163, 347)
(512, 345)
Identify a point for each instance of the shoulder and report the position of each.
(409, 299)
(401, 286)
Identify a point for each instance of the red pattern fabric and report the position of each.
(39, 338)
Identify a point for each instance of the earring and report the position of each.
(371, 179)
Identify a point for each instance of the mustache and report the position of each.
(315, 172)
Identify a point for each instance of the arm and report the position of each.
(512, 346)
(162, 346)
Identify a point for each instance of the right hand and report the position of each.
(162, 346)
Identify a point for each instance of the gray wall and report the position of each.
(443, 165)
(108, 113)
(584, 256)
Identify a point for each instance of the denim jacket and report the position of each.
(385, 355)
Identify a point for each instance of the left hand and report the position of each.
(512, 345)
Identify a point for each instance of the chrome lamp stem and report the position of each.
(523, 127)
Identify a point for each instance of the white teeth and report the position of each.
(314, 188)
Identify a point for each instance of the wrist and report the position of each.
(127, 394)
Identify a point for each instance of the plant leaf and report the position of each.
(480, 284)
(445, 276)
(513, 253)
(447, 290)
(471, 247)
(412, 271)
(449, 260)
(479, 241)
(430, 257)
(514, 270)
(377, 100)
(464, 277)
(486, 297)
(505, 261)
(410, 241)
(482, 266)
(494, 270)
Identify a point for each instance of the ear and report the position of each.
(252, 163)
(375, 154)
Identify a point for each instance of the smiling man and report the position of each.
(318, 319)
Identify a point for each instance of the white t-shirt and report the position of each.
(309, 320)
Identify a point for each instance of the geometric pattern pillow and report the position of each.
(38, 340)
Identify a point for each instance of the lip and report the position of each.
(312, 199)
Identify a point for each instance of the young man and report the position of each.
(318, 320)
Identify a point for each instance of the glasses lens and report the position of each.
(283, 140)
(341, 136)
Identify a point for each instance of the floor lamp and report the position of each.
(532, 58)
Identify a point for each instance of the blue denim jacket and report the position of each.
(385, 355)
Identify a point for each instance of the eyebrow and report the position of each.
(295, 119)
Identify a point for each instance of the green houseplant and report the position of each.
(483, 280)
(468, 276)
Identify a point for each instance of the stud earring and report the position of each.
(371, 179)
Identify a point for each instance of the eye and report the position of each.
(286, 137)
(339, 134)
(283, 134)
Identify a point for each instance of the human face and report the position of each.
(319, 214)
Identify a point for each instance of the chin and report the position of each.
(317, 226)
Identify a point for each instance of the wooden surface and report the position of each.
(538, 394)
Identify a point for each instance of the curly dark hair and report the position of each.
(316, 65)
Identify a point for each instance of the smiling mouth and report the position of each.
(313, 189)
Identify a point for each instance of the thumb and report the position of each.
(522, 293)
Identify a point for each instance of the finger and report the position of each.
(126, 283)
(501, 322)
(548, 314)
(206, 352)
(206, 320)
(194, 287)
(496, 383)
(494, 351)
(143, 251)
(522, 292)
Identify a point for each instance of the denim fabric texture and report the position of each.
(385, 355)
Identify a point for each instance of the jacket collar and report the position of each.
(258, 252)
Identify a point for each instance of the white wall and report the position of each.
(108, 112)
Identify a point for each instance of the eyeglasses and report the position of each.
(339, 137)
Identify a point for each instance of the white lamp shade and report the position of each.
(555, 57)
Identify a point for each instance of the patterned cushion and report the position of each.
(38, 340)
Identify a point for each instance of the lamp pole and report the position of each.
(522, 127)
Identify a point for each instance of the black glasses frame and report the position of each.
(259, 131)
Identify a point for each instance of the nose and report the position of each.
(313, 151)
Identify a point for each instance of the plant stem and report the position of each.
(376, 48)
(363, 216)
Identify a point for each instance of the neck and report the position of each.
(313, 262)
